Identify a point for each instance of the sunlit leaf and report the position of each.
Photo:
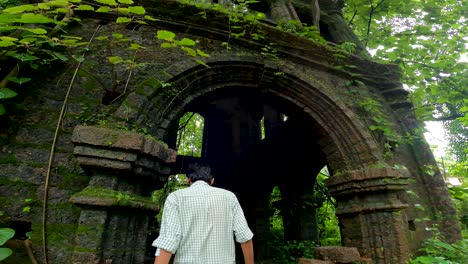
(139, 10)
(186, 42)
(167, 45)
(6, 93)
(20, 9)
(37, 31)
(103, 9)
(190, 51)
(123, 20)
(6, 43)
(115, 59)
(165, 35)
(85, 8)
(107, 2)
(34, 18)
(201, 53)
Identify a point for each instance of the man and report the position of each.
(199, 224)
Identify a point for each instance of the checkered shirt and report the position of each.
(199, 225)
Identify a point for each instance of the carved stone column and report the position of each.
(370, 212)
(116, 205)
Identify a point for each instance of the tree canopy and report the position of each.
(427, 38)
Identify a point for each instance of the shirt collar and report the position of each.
(199, 182)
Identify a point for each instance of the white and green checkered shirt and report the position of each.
(199, 225)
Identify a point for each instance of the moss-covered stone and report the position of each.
(110, 198)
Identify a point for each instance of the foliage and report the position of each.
(288, 252)
(437, 251)
(190, 133)
(301, 29)
(427, 39)
(5, 235)
(33, 36)
(328, 223)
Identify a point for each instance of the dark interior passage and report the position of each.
(288, 156)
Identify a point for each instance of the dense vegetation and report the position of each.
(427, 38)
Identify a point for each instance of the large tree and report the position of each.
(427, 38)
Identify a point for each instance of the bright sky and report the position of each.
(435, 136)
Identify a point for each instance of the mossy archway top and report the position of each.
(345, 138)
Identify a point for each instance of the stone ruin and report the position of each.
(115, 147)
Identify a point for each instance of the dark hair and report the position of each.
(197, 172)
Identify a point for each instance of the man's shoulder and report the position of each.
(222, 191)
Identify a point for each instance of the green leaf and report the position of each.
(2, 109)
(115, 59)
(20, 9)
(103, 9)
(201, 53)
(27, 40)
(139, 10)
(190, 51)
(128, 2)
(102, 38)
(22, 56)
(135, 46)
(6, 93)
(5, 252)
(167, 45)
(150, 18)
(107, 2)
(7, 18)
(37, 31)
(57, 3)
(117, 35)
(30, 18)
(123, 20)
(202, 63)
(6, 43)
(6, 234)
(85, 8)
(165, 35)
(8, 38)
(186, 42)
(19, 80)
(123, 10)
(78, 58)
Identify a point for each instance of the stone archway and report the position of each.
(234, 95)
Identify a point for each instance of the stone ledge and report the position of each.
(122, 140)
(121, 151)
(369, 180)
(101, 197)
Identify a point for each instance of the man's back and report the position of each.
(200, 223)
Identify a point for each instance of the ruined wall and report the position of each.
(330, 90)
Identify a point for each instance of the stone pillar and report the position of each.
(116, 205)
(370, 212)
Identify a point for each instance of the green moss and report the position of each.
(59, 235)
(116, 198)
(9, 159)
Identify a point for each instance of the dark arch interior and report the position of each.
(288, 157)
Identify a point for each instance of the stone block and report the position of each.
(338, 254)
(312, 261)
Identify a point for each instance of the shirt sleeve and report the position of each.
(241, 229)
(170, 231)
